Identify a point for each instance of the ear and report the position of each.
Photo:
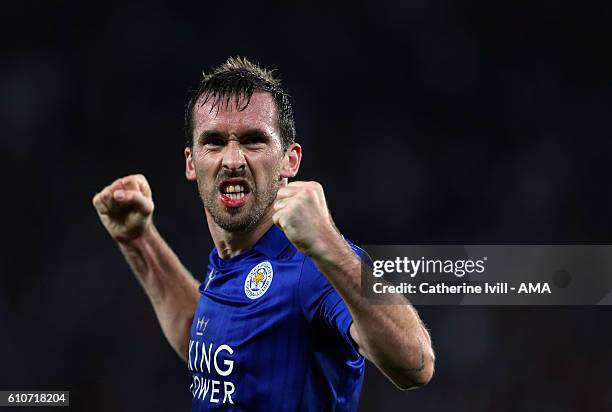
(291, 161)
(189, 167)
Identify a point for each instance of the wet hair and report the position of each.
(235, 81)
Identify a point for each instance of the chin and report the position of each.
(236, 222)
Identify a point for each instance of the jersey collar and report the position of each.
(272, 243)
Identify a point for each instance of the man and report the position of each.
(280, 322)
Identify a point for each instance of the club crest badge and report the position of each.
(258, 280)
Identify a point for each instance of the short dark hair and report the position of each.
(237, 79)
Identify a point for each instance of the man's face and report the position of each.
(236, 159)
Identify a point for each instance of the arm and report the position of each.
(126, 208)
(391, 336)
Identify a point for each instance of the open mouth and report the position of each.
(234, 192)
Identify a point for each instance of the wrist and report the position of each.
(330, 247)
(146, 236)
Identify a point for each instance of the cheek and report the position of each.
(265, 169)
(205, 162)
(269, 177)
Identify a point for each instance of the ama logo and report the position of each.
(258, 280)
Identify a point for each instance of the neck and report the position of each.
(230, 244)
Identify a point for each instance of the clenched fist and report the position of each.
(301, 212)
(125, 207)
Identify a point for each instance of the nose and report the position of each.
(233, 157)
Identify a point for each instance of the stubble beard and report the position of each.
(239, 219)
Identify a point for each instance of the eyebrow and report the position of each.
(208, 134)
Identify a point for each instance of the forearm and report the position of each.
(390, 335)
(170, 287)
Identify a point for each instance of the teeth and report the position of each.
(234, 189)
(235, 196)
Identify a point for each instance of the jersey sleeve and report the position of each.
(321, 302)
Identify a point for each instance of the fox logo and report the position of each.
(259, 277)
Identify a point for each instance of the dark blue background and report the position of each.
(425, 121)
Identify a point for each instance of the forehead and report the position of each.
(259, 114)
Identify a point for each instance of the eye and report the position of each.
(213, 141)
(254, 139)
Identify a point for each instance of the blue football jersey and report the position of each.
(271, 334)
